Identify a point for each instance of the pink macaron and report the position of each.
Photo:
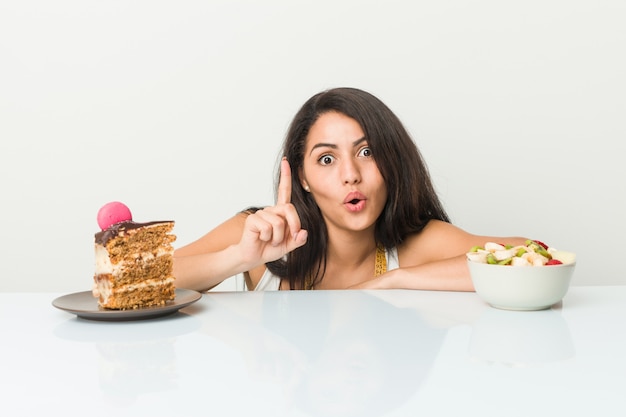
(112, 213)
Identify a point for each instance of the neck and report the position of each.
(351, 251)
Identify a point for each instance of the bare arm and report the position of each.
(445, 275)
(211, 259)
(435, 260)
(242, 243)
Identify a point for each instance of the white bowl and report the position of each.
(521, 287)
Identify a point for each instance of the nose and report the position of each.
(351, 173)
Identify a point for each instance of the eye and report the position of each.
(366, 152)
(326, 160)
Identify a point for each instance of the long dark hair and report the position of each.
(411, 202)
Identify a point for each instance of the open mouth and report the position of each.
(355, 204)
(354, 201)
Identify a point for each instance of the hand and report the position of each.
(271, 233)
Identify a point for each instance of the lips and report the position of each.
(354, 201)
(353, 197)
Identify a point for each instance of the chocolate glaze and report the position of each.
(104, 236)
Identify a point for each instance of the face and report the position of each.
(341, 174)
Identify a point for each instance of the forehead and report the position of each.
(333, 128)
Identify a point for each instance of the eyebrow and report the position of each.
(333, 146)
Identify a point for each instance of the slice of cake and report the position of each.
(134, 261)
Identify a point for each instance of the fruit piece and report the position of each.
(520, 262)
(544, 253)
(554, 262)
(504, 254)
(535, 258)
(491, 259)
(112, 213)
(543, 245)
(533, 245)
(537, 247)
(477, 256)
(564, 256)
(491, 246)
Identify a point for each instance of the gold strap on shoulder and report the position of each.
(381, 261)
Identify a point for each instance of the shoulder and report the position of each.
(437, 231)
(438, 240)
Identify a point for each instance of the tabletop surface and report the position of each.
(320, 353)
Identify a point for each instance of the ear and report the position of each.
(303, 182)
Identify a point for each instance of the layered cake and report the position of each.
(134, 261)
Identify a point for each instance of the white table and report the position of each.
(343, 353)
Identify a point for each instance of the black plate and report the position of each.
(85, 305)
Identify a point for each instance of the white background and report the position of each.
(179, 109)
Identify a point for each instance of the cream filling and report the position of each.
(104, 265)
(105, 290)
(102, 289)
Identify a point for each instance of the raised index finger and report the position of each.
(284, 183)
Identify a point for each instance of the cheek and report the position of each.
(322, 193)
(320, 179)
(377, 178)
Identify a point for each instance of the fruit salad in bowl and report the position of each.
(533, 276)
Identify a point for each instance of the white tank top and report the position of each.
(270, 282)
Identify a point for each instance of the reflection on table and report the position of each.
(343, 354)
(320, 353)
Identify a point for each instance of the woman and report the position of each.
(355, 208)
